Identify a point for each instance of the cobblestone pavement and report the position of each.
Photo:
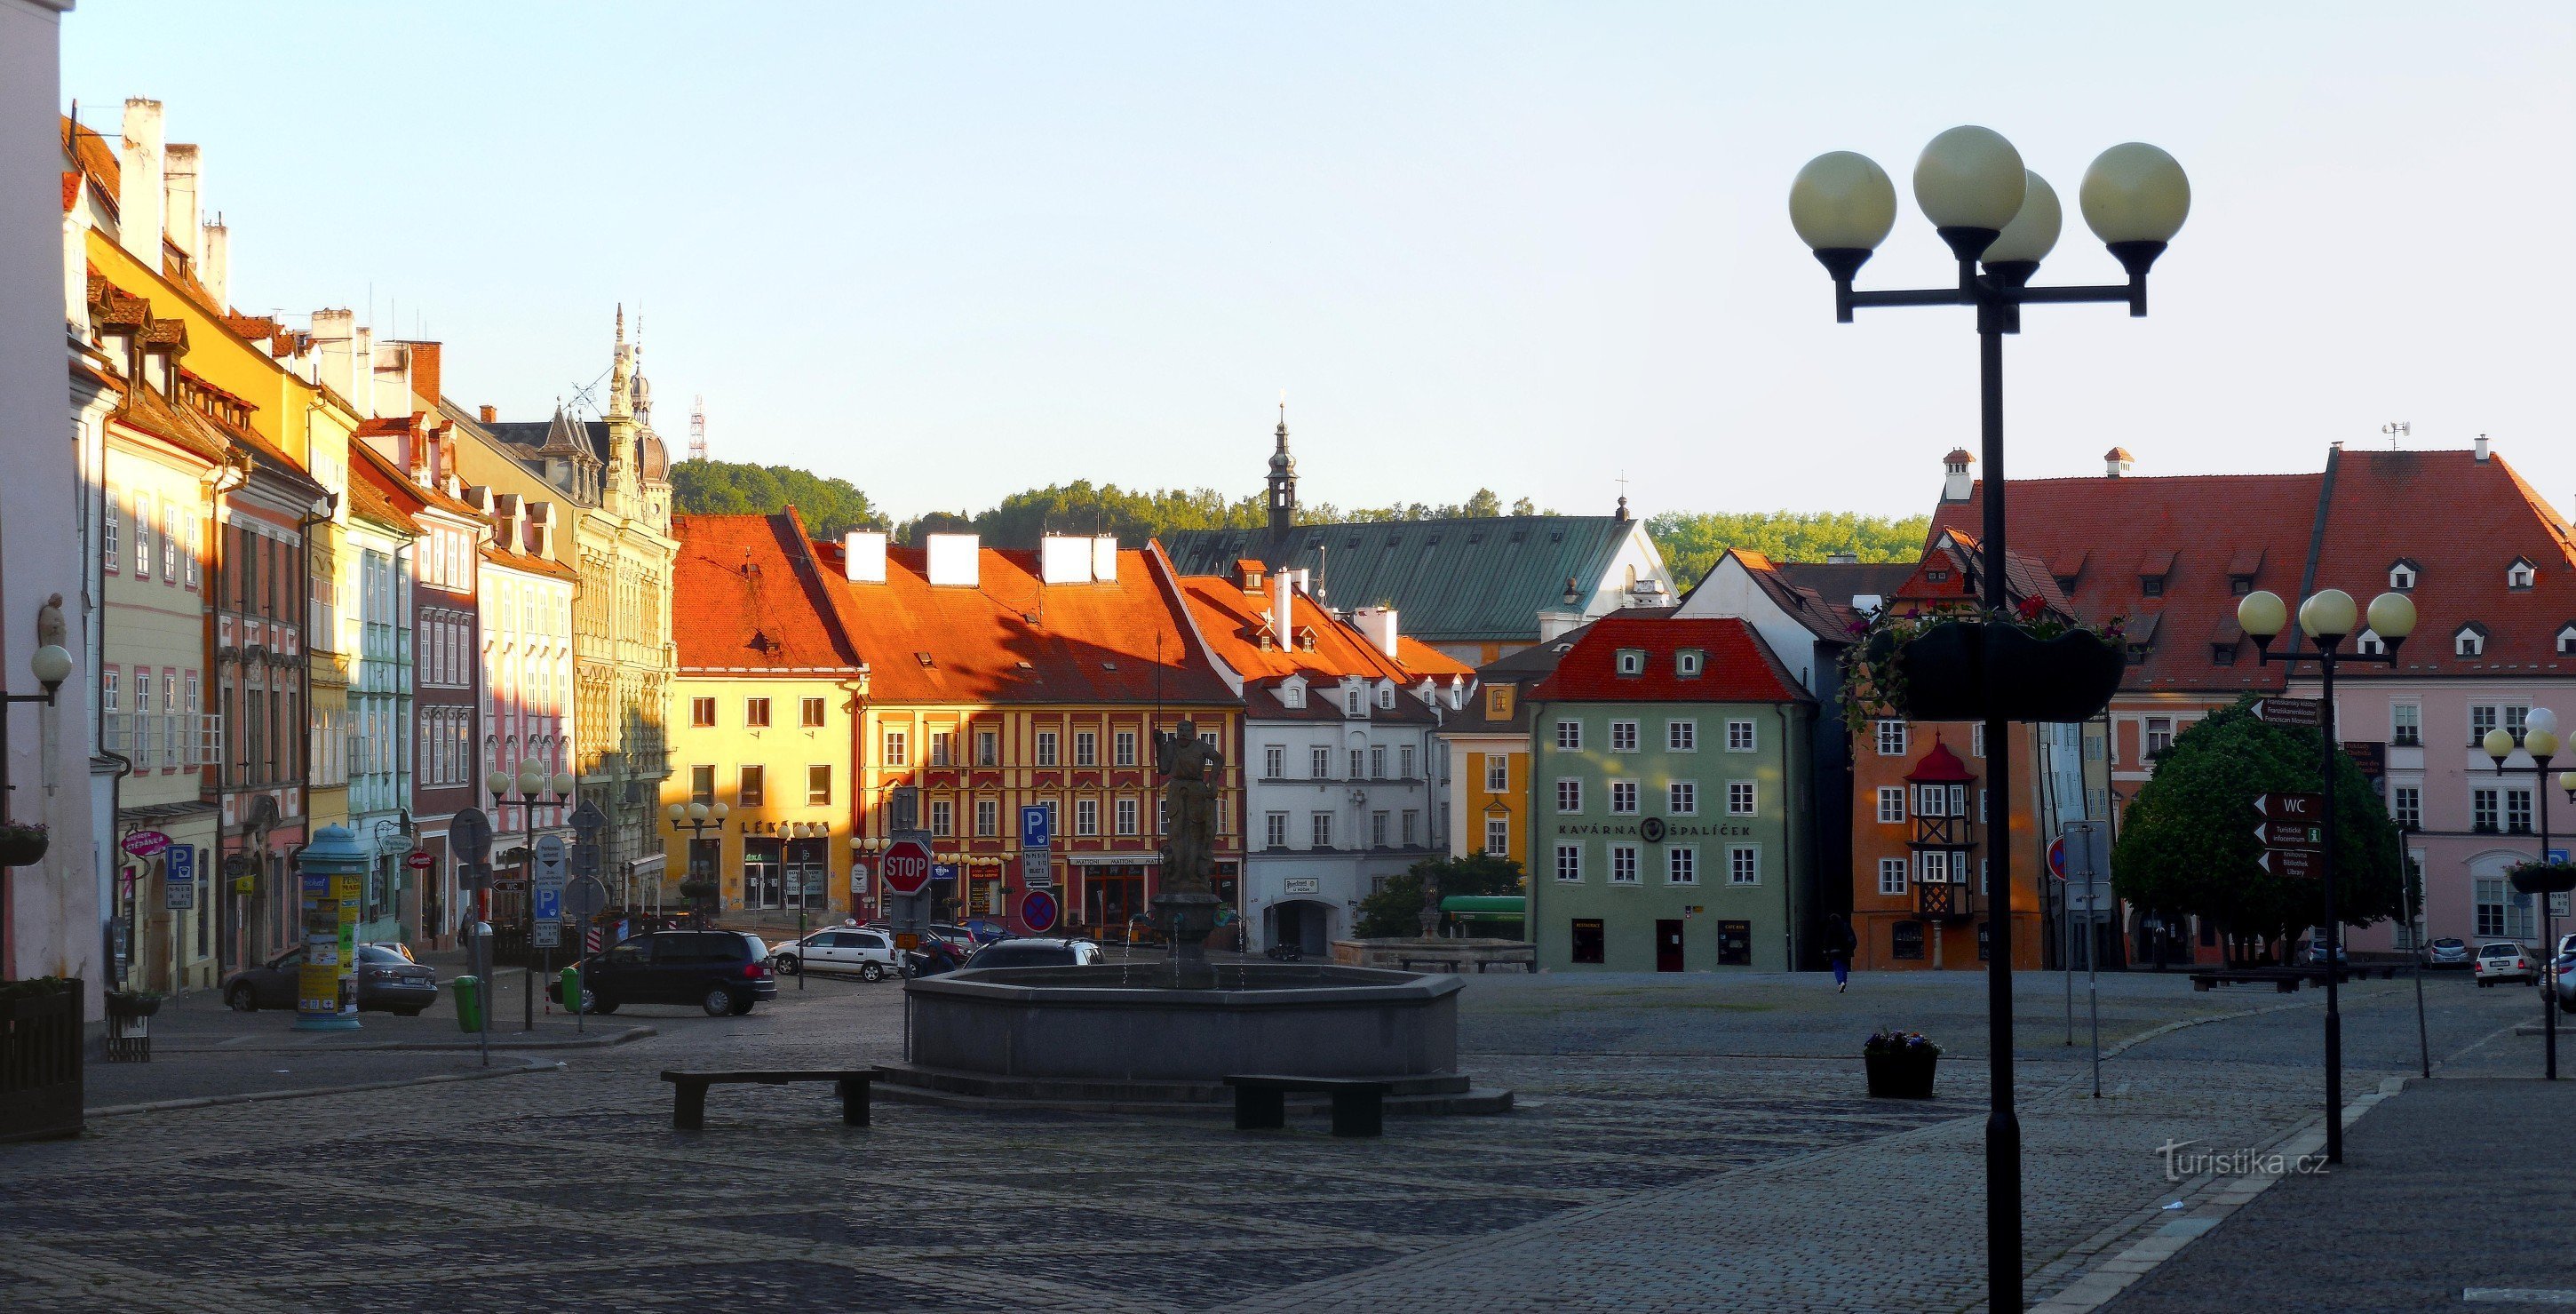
(1654, 1163)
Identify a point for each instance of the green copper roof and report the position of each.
(1449, 580)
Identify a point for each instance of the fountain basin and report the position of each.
(1097, 1036)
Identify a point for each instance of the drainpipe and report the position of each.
(324, 509)
(1788, 841)
(234, 472)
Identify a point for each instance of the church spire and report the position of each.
(621, 369)
(1283, 476)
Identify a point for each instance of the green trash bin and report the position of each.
(469, 1003)
(568, 989)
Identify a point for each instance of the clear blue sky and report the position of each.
(948, 251)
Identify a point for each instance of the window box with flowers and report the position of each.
(1964, 665)
(1901, 1064)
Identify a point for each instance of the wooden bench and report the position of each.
(1457, 965)
(689, 1091)
(1359, 1104)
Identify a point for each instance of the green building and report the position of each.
(1669, 830)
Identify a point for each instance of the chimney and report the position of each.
(424, 375)
(2482, 447)
(1283, 612)
(541, 519)
(954, 559)
(1378, 623)
(1063, 560)
(1247, 574)
(1955, 483)
(2116, 462)
(489, 414)
(76, 268)
(139, 198)
(863, 556)
(336, 335)
(1842, 558)
(1552, 625)
(1104, 558)
(215, 264)
(179, 188)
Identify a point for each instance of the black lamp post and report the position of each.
(698, 819)
(2327, 618)
(529, 786)
(1971, 184)
(2540, 740)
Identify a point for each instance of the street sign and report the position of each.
(2309, 808)
(144, 843)
(2057, 857)
(1038, 910)
(549, 904)
(585, 854)
(584, 896)
(1037, 871)
(548, 935)
(2290, 835)
(2297, 864)
(2370, 755)
(470, 834)
(546, 886)
(420, 860)
(588, 819)
(905, 866)
(858, 878)
(943, 871)
(2308, 712)
(473, 875)
(1037, 827)
(179, 879)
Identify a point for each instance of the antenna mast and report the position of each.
(698, 428)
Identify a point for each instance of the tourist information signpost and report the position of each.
(545, 899)
(1037, 841)
(2306, 713)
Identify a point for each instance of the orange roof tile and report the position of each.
(1739, 667)
(742, 596)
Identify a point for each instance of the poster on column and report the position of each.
(317, 983)
(352, 886)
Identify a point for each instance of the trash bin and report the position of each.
(568, 989)
(469, 1003)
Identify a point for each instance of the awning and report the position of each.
(647, 868)
(1486, 905)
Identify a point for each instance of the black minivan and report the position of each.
(720, 971)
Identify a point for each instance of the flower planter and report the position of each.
(2544, 877)
(22, 846)
(132, 1003)
(40, 1060)
(1901, 1076)
(1953, 668)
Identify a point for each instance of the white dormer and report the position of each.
(1354, 700)
(1292, 691)
(1632, 661)
(2369, 644)
(1386, 693)
(2469, 641)
(1688, 662)
(2566, 644)
(2401, 575)
(2521, 574)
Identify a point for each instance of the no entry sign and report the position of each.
(1038, 910)
(905, 867)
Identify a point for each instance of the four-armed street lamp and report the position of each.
(1971, 184)
(2540, 739)
(698, 819)
(530, 785)
(2327, 619)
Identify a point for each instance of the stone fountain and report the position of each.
(1165, 1035)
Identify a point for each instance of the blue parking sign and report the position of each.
(1036, 831)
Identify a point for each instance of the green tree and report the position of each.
(1397, 909)
(2188, 843)
(1692, 541)
(830, 507)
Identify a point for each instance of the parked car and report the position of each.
(2567, 983)
(2313, 954)
(986, 932)
(1035, 952)
(934, 957)
(2503, 960)
(396, 948)
(720, 971)
(965, 940)
(387, 982)
(2449, 951)
(839, 949)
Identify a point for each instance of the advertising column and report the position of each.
(330, 876)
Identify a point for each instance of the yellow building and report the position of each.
(1486, 758)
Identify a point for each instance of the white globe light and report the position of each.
(676, 813)
(562, 783)
(2327, 614)
(2135, 193)
(1842, 201)
(2540, 720)
(1970, 177)
(2263, 614)
(2498, 743)
(2032, 234)
(51, 664)
(2542, 743)
(2392, 615)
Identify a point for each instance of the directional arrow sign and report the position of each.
(2290, 835)
(2309, 808)
(2298, 864)
(2309, 712)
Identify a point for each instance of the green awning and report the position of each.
(1486, 905)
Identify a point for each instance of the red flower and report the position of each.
(2030, 608)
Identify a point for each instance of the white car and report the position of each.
(2503, 960)
(868, 953)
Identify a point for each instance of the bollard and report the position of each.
(469, 1003)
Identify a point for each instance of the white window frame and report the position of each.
(1743, 865)
(1681, 798)
(1498, 837)
(1498, 773)
(1623, 798)
(1892, 876)
(1623, 736)
(1743, 798)
(1569, 736)
(1569, 864)
(1891, 794)
(1681, 864)
(1742, 737)
(1681, 736)
(1086, 816)
(1275, 830)
(1569, 796)
(1274, 760)
(1891, 739)
(1623, 859)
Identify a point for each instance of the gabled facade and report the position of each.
(524, 615)
(1339, 749)
(1667, 805)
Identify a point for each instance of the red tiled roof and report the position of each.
(741, 596)
(1232, 620)
(2094, 530)
(408, 495)
(373, 496)
(1949, 574)
(97, 160)
(1740, 667)
(1940, 766)
(2462, 521)
(532, 563)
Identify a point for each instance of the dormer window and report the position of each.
(1937, 576)
(1292, 694)
(2221, 654)
(2369, 644)
(1351, 702)
(2401, 576)
(2152, 569)
(2520, 574)
(1632, 661)
(2241, 570)
(2470, 641)
(1386, 695)
(2567, 639)
(2151, 586)
(1687, 663)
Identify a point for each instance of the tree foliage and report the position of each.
(1692, 541)
(830, 507)
(1397, 910)
(2188, 841)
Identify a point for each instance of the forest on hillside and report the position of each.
(1691, 540)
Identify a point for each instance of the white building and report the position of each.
(527, 654)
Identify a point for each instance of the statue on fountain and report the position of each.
(1194, 773)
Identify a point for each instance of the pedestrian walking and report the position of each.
(1840, 944)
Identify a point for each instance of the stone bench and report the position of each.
(1359, 1103)
(1456, 965)
(689, 1091)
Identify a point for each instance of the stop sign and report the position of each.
(906, 867)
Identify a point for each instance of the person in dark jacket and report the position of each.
(1840, 944)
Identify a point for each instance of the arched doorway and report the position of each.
(1305, 923)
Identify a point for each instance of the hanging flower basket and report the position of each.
(1945, 666)
(2544, 877)
(22, 843)
(1901, 1065)
(132, 1003)
(697, 889)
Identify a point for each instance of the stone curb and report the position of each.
(600, 1041)
(254, 1097)
(2219, 1199)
